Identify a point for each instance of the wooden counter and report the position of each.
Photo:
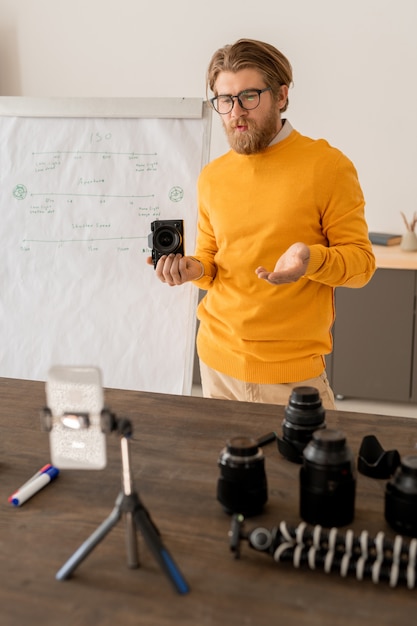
(392, 257)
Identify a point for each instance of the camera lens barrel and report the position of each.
(167, 239)
(327, 480)
(302, 416)
(242, 485)
(401, 498)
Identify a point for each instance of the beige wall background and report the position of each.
(354, 69)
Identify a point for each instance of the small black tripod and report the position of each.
(136, 517)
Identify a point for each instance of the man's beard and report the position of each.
(256, 138)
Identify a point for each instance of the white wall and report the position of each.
(354, 68)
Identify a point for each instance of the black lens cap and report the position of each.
(304, 407)
(242, 446)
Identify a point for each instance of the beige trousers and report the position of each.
(217, 385)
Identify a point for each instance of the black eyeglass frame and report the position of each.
(233, 98)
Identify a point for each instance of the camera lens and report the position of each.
(167, 240)
(303, 415)
(242, 485)
(401, 498)
(327, 480)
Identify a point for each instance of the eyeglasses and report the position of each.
(248, 99)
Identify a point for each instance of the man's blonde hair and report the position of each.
(250, 53)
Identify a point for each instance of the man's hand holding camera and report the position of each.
(167, 244)
(176, 269)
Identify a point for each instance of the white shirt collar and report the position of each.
(283, 133)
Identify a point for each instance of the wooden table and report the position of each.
(177, 441)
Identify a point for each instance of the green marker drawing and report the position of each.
(20, 192)
(176, 194)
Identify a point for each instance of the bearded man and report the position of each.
(281, 224)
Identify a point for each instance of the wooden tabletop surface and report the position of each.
(393, 257)
(176, 444)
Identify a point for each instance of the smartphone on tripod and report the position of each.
(75, 399)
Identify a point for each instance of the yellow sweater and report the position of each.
(251, 209)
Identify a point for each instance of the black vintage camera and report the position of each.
(167, 237)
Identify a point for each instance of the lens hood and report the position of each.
(374, 461)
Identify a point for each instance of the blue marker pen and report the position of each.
(35, 485)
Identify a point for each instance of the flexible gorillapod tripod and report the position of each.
(136, 517)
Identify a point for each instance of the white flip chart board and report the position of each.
(81, 182)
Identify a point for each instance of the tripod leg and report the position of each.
(89, 545)
(160, 552)
(131, 541)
